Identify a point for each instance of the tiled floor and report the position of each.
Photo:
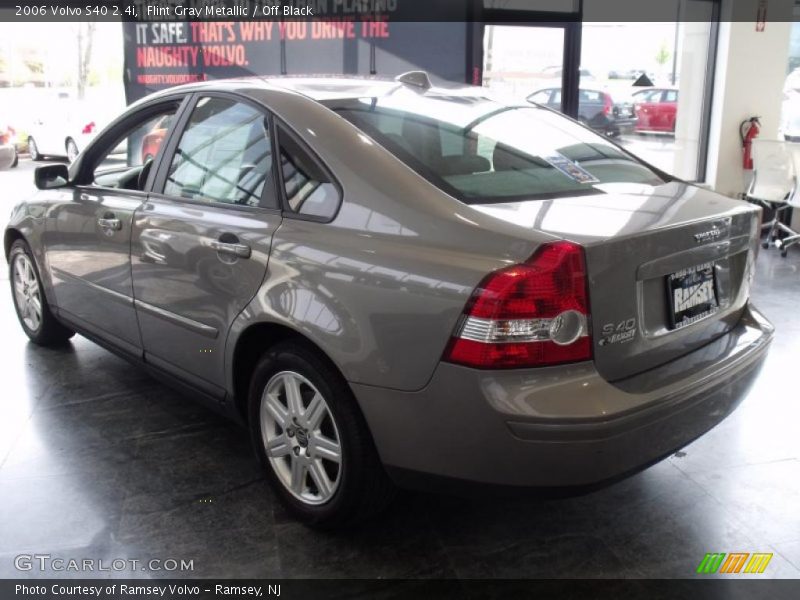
(97, 460)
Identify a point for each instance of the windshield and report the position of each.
(482, 151)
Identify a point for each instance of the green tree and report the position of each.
(663, 55)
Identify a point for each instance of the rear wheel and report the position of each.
(312, 439)
(30, 303)
(16, 159)
(33, 149)
(72, 150)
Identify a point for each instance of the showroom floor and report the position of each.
(99, 461)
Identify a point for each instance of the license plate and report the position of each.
(692, 295)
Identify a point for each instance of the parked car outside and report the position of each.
(153, 139)
(63, 127)
(596, 108)
(393, 284)
(8, 147)
(656, 109)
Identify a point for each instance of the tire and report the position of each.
(16, 159)
(352, 489)
(33, 313)
(72, 150)
(33, 150)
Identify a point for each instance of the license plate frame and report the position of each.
(692, 295)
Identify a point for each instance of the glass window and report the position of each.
(669, 61)
(309, 189)
(519, 60)
(124, 162)
(508, 160)
(224, 155)
(790, 108)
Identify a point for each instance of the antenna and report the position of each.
(418, 79)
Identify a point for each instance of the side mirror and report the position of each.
(50, 177)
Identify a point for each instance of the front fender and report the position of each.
(28, 221)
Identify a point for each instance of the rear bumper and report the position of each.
(561, 426)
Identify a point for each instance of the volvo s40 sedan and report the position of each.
(396, 284)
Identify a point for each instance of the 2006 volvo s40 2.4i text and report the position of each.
(396, 284)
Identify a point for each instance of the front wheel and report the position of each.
(33, 312)
(312, 439)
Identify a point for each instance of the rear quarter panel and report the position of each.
(380, 288)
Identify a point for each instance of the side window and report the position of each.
(671, 96)
(540, 97)
(590, 96)
(309, 190)
(122, 164)
(224, 155)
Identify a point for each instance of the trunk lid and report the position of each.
(642, 244)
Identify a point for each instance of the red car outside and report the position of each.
(151, 142)
(656, 109)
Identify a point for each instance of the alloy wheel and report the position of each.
(33, 150)
(300, 438)
(72, 151)
(26, 292)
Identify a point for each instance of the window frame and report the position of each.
(279, 124)
(179, 128)
(116, 132)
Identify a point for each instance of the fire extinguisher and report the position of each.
(748, 131)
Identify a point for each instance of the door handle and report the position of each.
(237, 250)
(110, 223)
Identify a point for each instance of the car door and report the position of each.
(668, 110)
(202, 240)
(646, 109)
(88, 234)
(590, 106)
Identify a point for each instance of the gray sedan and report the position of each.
(392, 284)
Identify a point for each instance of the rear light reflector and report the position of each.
(88, 128)
(608, 104)
(527, 315)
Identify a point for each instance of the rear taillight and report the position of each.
(527, 315)
(608, 105)
(88, 128)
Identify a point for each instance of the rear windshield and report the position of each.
(482, 151)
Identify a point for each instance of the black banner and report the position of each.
(164, 54)
(206, 589)
(487, 11)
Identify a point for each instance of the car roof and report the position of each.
(317, 87)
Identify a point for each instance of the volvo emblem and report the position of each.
(707, 236)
